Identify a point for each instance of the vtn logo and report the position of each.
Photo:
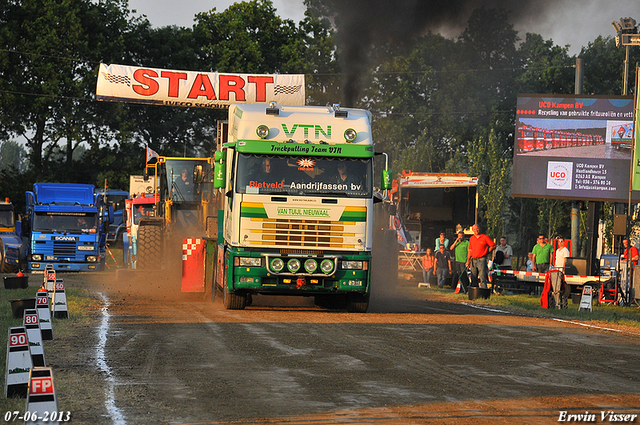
(559, 175)
(317, 129)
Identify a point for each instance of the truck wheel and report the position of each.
(357, 303)
(149, 247)
(233, 301)
(4, 268)
(331, 301)
(322, 300)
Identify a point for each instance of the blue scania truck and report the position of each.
(66, 226)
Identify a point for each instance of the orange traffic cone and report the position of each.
(458, 288)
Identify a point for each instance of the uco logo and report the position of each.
(559, 175)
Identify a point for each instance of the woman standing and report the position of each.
(428, 264)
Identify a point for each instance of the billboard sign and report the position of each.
(123, 83)
(573, 147)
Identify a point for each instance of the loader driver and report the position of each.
(184, 185)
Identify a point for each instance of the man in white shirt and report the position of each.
(561, 254)
(507, 253)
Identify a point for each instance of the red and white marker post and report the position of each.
(42, 404)
(44, 314)
(18, 363)
(49, 278)
(32, 325)
(59, 301)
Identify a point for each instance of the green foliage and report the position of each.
(547, 68)
(249, 37)
(604, 66)
(554, 217)
(487, 162)
(12, 155)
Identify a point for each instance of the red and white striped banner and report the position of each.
(521, 275)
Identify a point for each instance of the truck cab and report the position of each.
(297, 216)
(66, 227)
(12, 251)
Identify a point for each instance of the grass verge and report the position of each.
(530, 305)
(79, 305)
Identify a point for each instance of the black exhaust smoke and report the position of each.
(361, 24)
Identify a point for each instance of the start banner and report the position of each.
(122, 83)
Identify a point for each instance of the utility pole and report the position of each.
(575, 207)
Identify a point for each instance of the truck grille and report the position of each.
(64, 248)
(301, 233)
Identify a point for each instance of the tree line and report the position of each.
(439, 104)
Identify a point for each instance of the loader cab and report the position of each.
(184, 181)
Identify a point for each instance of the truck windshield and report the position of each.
(65, 222)
(184, 180)
(144, 210)
(6, 218)
(339, 177)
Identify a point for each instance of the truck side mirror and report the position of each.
(219, 171)
(385, 183)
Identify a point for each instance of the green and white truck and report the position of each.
(296, 195)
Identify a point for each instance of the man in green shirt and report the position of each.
(460, 247)
(541, 255)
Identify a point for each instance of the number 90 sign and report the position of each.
(17, 340)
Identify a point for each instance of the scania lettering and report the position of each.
(66, 226)
(296, 202)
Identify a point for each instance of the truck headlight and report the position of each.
(310, 265)
(92, 258)
(293, 265)
(262, 131)
(350, 135)
(353, 265)
(327, 266)
(250, 262)
(36, 257)
(277, 265)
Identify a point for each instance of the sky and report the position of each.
(573, 22)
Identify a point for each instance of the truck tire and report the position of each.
(331, 301)
(4, 268)
(357, 303)
(233, 301)
(149, 253)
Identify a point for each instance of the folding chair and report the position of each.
(609, 291)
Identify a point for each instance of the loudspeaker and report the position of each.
(620, 224)
(575, 266)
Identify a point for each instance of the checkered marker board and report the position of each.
(190, 246)
(193, 259)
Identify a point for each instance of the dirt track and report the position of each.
(152, 356)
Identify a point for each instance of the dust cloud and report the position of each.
(384, 267)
